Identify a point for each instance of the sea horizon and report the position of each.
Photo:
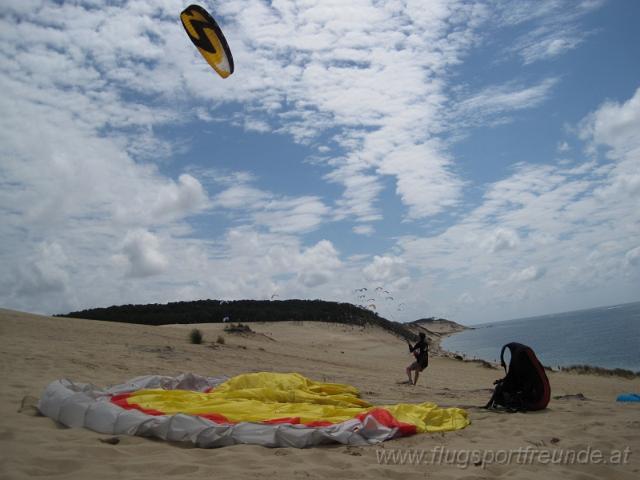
(562, 312)
(606, 336)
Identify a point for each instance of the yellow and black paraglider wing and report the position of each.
(206, 35)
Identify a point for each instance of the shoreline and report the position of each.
(578, 369)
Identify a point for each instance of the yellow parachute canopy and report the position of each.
(269, 397)
(206, 35)
(265, 408)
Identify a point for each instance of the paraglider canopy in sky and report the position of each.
(206, 35)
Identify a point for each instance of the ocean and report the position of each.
(607, 337)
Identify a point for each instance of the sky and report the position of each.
(472, 160)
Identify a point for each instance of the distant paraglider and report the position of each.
(206, 35)
(378, 300)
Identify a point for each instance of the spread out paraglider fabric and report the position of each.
(270, 409)
(206, 35)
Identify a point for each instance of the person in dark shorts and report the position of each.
(421, 352)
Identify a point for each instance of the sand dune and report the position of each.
(36, 350)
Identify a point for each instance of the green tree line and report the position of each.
(215, 311)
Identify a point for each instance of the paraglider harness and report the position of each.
(525, 386)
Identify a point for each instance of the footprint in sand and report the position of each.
(28, 406)
(355, 451)
(110, 440)
(182, 470)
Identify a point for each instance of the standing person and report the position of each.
(421, 351)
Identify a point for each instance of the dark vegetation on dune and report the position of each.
(215, 311)
(591, 370)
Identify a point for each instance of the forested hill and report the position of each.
(215, 311)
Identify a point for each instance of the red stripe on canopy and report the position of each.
(381, 415)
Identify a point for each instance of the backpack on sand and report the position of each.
(525, 386)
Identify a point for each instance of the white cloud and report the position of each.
(632, 257)
(366, 230)
(297, 215)
(615, 125)
(256, 125)
(556, 27)
(167, 201)
(545, 44)
(241, 196)
(529, 274)
(360, 195)
(318, 264)
(424, 182)
(502, 239)
(142, 252)
(495, 103)
(466, 299)
(45, 272)
(278, 214)
(385, 269)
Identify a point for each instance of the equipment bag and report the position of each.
(525, 386)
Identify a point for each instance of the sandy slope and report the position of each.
(35, 350)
